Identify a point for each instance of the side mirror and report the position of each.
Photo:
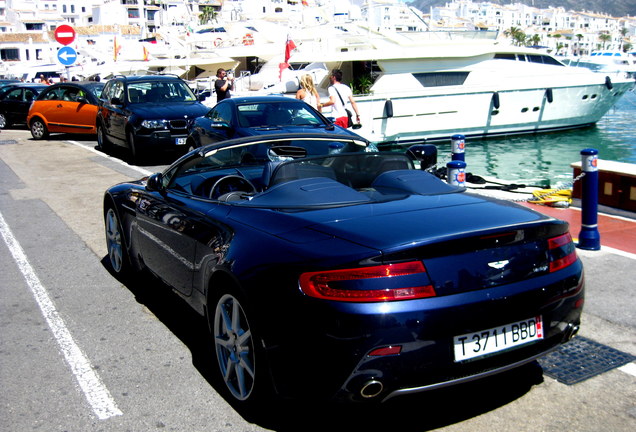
(81, 100)
(426, 154)
(219, 125)
(116, 101)
(155, 183)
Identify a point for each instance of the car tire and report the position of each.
(237, 350)
(38, 129)
(117, 253)
(4, 123)
(102, 140)
(191, 145)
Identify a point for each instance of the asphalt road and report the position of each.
(79, 351)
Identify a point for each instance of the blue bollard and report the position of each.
(456, 173)
(589, 237)
(458, 145)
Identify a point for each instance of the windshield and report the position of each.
(250, 159)
(159, 92)
(263, 114)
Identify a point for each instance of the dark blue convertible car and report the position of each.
(328, 270)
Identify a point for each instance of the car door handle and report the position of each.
(60, 105)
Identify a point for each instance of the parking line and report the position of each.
(144, 172)
(96, 393)
(629, 368)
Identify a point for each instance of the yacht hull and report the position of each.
(431, 116)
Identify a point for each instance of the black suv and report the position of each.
(146, 113)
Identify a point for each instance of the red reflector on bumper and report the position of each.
(384, 351)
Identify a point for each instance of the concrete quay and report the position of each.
(150, 350)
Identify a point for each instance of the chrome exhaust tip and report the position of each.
(573, 330)
(371, 389)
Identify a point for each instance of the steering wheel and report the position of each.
(231, 183)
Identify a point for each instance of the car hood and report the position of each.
(176, 110)
(411, 221)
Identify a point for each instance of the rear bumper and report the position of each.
(330, 354)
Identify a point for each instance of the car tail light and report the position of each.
(561, 251)
(390, 282)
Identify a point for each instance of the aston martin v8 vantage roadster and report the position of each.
(326, 269)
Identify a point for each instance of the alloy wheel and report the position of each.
(234, 347)
(38, 129)
(115, 247)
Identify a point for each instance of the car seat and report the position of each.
(156, 94)
(134, 95)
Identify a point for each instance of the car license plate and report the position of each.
(478, 344)
(180, 141)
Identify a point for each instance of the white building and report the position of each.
(568, 32)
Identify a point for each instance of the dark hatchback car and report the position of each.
(8, 82)
(69, 107)
(347, 274)
(15, 102)
(147, 114)
(258, 115)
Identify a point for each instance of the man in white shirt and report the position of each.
(341, 99)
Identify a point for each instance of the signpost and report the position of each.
(65, 34)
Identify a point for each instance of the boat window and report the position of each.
(552, 61)
(438, 79)
(505, 56)
(537, 58)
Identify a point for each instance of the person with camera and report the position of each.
(223, 85)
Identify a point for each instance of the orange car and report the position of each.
(69, 107)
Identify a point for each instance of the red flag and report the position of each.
(116, 49)
(289, 47)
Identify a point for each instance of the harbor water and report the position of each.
(544, 159)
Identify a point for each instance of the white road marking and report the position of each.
(629, 368)
(119, 161)
(96, 393)
(618, 252)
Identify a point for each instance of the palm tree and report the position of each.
(207, 14)
(604, 37)
(535, 39)
(520, 38)
(511, 32)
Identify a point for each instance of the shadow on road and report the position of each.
(418, 412)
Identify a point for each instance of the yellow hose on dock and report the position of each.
(552, 197)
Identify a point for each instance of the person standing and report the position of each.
(340, 98)
(223, 85)
(307, 92)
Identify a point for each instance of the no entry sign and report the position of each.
(65, 34)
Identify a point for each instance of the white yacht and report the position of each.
(431, 91)
(607, 62)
